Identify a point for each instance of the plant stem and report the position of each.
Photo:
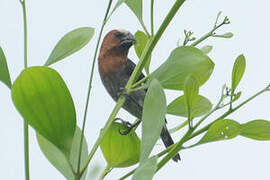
(90, 85)
(144, 28)
(152, 18)
(140, 81)
(25, 126)
(207, 35)
(105, 172)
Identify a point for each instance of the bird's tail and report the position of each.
(168, 141)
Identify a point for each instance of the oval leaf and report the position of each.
(153, 118)
(70, 43)
(183, 62)
(43, 99)
(257, 129)
(238, 71)
(178, 107)
(146, 171)
(142, 40)
(4, 72)
(221, 130)
(58, 159)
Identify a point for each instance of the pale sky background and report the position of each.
(49, 20)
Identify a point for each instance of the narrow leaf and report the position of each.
(136, 7)
(236, 96)
(221, 130)
(207, 49)
(257, 129)
(183, 62)
(178, 107)
(191, 91)
(153, 118)
(146, 171)
(43, 99)
(238, 71)
(4, 72)
(142, 40)
(59, 160)
(226, 35)
(70, 43)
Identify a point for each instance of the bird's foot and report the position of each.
(128, 126)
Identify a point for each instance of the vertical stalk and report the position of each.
(90, 84)
(152, 18)
(25, 127)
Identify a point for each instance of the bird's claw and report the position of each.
(127, 125)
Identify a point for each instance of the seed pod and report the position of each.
(120, 150)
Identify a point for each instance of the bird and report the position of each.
(115, 69)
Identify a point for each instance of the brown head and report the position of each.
(114, 51)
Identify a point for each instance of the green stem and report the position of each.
(105, 172)
(90, 85)
(140, 81)
(207, 35)
(25, 126)
(144, 28)
(152, 18)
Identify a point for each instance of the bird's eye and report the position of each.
(118, 34)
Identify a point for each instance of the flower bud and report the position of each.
(120, 150)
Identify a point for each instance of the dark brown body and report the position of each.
(115, 70)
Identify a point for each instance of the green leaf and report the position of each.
(142, 40)
(153, 118)
(223, 129)
(238, 71)
(59, 160)
(134, 5)
(191, 91)
(226, 35)
(184, 61)
(120, 150)
(43, 99)
(4, 72)
(178, 107)
(207, 49)
(146, 171)
(257, 129)
(70, 43)
(236, 96)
